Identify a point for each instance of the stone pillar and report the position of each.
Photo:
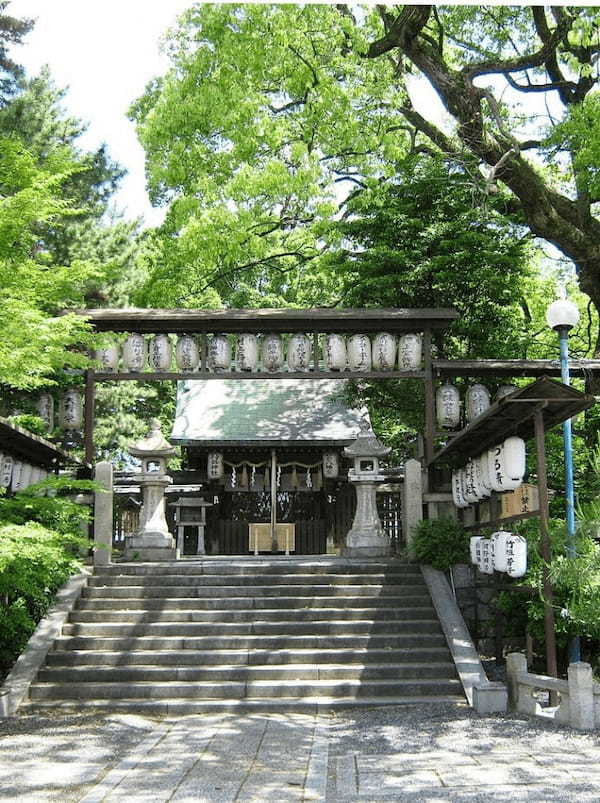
(412, 502)
(366, 538)
(516, 663)
(581, 696)
(103, 514)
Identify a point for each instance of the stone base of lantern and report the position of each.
(366, 544)
(150, 547)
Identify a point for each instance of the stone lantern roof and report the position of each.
(367, 444)
(154, 444)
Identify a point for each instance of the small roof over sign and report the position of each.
(264, 411)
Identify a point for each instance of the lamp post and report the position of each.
(563, 315)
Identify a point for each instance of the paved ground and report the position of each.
(403, 753)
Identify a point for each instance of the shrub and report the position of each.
(441, 543)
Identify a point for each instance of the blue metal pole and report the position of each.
(563, 334)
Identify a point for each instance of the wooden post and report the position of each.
(429, 398)
(88, 413)
(545, 550)
(273, 501)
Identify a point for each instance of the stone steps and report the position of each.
(245, 673)
(229, 689)
(256, 657)
(283, 629)
(249, 635)
(300, 591)
(257, 616)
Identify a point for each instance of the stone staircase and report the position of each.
(265, 634)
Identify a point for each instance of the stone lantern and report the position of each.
(152, 541)
(366, 538)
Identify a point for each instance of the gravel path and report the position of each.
(416, 753)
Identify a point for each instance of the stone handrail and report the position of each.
(579, 694)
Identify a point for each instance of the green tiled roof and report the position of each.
(263, 410)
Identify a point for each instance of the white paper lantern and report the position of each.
(481, 477)
(484, 472)
(71, 410)
(299, 352)
(475, 548)
(246, 353)
(504, 390)
(219, 353)
(18, 476)
(45, 410)
(6, 470)
(187, 354)
(215, 466)
(272, 353)
(331, 465)
(486, 563)
(134, 353)
(513, 456)
(108, 357)
(457, 489)
(160, 355)
(516, 556)
(359, 353)
(410, 349)
(384, 352)
(335, 352)
(470, 490)
(477, 401)
(499, 540)
(447, 404)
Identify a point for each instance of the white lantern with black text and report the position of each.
(475, 548)
(6, 470)
(457, 489)
(477, 401)
(134, 353)
(45, 410)
(71, 410)
(384, 352)
(516, 556)
(448, 406)
(187, 354)
(499, 540)
(299, 352)
(219, 353)
(513, 457)
(246, 355)
(335, 352)
(470, 490)
(272, 353)
(410, 349)
(108, 357)
(486, 563)
(359, 353)
(160, 353)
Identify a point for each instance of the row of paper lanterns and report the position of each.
(355, 353)
(215, 468)
(477, 401)
(18, 474)
(70, 409)
(502, 552)
(499, 469)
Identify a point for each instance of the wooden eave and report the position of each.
(510, 368)
(268, 320)
(514, 415)
(32, 448)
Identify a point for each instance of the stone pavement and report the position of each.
(416, 753)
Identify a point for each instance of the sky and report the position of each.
(105, 53)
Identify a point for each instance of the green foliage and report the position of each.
(441, 543)
(34, 563)
(55, 512)
(32, 423)
(12, 31)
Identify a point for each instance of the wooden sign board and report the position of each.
(260, 538)
(524, 499)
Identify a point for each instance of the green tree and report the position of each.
(12, 31)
